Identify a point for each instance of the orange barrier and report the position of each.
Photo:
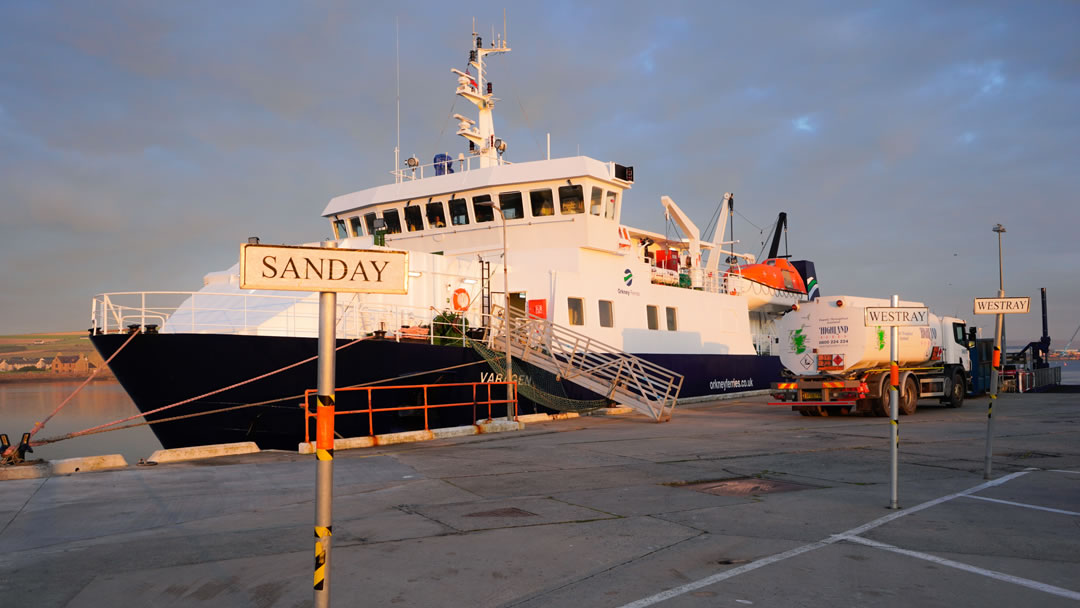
(510, 402)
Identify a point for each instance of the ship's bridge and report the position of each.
(567, 201)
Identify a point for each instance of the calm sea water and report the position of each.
(24, 403)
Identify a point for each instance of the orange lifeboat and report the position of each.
(773, 284)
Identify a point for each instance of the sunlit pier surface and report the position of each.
(731, 503)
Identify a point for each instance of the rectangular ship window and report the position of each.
(339, 230)
(571, 200)
(459, 212)
(357, 228)
(672, 322)
(482, 211)
(609, 209)
(413, 218)
(510, 202)
(369, 219)
(542, 203)
(607, 318)
(596, 203)
(393, 221)
(575, 308)
(436, 218)
(653, 318)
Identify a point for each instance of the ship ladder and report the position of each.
(603, 369)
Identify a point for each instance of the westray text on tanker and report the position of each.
(897, 316)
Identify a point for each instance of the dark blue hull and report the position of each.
(161, 369)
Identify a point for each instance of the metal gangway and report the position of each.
(624, 378)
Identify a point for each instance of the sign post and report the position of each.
(894, 317)
(326, 270)
(999, 306)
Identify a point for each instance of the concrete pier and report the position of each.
(733, 503)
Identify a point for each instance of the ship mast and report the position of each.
(481, 134)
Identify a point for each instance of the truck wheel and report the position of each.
(959, 389)
(908, 397)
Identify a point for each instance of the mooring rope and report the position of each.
(111, 426)
(40, 425)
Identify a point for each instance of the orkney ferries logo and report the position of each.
(628, 277)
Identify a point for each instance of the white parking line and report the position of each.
(1020, 504)
(772, 559)
(1001, 576)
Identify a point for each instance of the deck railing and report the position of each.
(273, 315)
(459, 165)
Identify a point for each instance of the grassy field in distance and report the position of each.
(48, 345)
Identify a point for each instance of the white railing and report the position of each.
(460, 165)
(632, 381)
(270, 315)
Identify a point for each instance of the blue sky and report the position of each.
(141, 142)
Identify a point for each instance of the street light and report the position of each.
(997, 360)
(506, 292)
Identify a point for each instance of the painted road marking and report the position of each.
(772, 559)
(1020, 504)
(1001, 576)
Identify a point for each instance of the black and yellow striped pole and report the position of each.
(894, 409)
(324, 444)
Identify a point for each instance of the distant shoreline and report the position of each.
(47, 378)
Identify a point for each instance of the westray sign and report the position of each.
(910, 316)
(323, 269)
(1002, 306)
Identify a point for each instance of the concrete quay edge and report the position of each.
(481, 427)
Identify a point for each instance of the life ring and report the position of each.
(461, 300)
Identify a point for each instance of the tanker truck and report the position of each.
(834, 362)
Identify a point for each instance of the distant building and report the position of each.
(14, 364)
(70, 364)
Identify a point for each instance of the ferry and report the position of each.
(486, 239)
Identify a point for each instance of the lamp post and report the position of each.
(506, 300)
(997, 360)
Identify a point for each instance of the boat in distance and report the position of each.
(487, 240)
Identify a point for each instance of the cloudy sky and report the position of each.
(141, 142)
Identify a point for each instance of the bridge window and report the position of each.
(482, 209)
(459, 211)
(393, 221)
(653, 317)
(609, 209)
(542, 203)
(510, 202)
(413, 218)
(369, 219)
(575, 308)
(571, 200)
(596, 203)
(672, 321)
(339, 229)
(436, 218)
(607, 318)
(354, 223)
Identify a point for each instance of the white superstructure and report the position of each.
(569, 257)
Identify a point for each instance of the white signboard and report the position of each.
(888, 316)
(1002, 306)
(291, 268)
